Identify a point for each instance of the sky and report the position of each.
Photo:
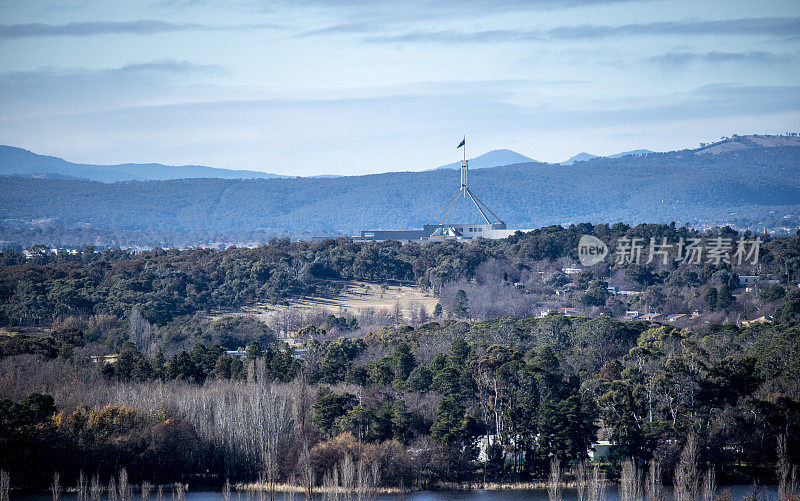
(329, 87)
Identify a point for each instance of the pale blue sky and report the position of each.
(329, 87)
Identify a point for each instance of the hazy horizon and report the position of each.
(323, 88)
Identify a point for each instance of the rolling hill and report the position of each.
(24, 163)
(742, 186)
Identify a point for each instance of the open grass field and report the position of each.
(355, 299)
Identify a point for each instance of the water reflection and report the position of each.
(738, 492)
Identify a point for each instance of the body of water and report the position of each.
(738, 492)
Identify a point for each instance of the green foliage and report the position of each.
(330, 408)
(335, 359)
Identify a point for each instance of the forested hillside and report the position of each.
(742, 187)
(117, 359)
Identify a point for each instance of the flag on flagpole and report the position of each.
(462, 143)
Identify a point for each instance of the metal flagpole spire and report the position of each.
(464, 169)
(466, 192)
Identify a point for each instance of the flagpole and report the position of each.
(464, 168)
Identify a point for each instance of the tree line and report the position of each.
(414, 404)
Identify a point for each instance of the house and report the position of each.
(613, 290)
(569, 312)
(650, 317)
(484, 443)
(628, 293)
(600, 450)
(766, 319)
(104, 359)
(745, 280)
(675, 317)
(631, 315)
(572, 271)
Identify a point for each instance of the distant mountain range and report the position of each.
(497, 158)
(582, 157)
(742, 181)
(24, 163)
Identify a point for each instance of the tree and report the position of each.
(567, 426)
(420, 379)
(460, 304)
(140, 331)
(447, 420)
(711, 297)
(357, 421)
(253, 351)
(329, 407)
(437, 310)
(403, 362)
(724, 297)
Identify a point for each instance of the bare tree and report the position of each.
(783, 468)
(330, 485)
(376, 473)
(55, 487)
(140, 331)
(581, 480)
(554, 486)
(597, 485)
(423, 314)
(653, 487)
(397, 313)
(160, 496)
(226, 490)
(82, 489)
(630, 481)
(307, 469)
(5, 486)
(686, 477)
(95, 488)
(180, 492)
(348, 476)
(125, 489)
(290, 493)
(112, 489)
(147, 489)
(709, 484)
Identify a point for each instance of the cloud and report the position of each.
(163, 67)
(379, 16)
(47, 90)
(770, 26)
(679, 59)
(166, 66)
(89, 28)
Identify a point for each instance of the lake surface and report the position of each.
(738, 492)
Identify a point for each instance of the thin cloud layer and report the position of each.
(91, 28)
(773, 26)
(680, 59)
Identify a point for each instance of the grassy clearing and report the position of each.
(355, 299)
